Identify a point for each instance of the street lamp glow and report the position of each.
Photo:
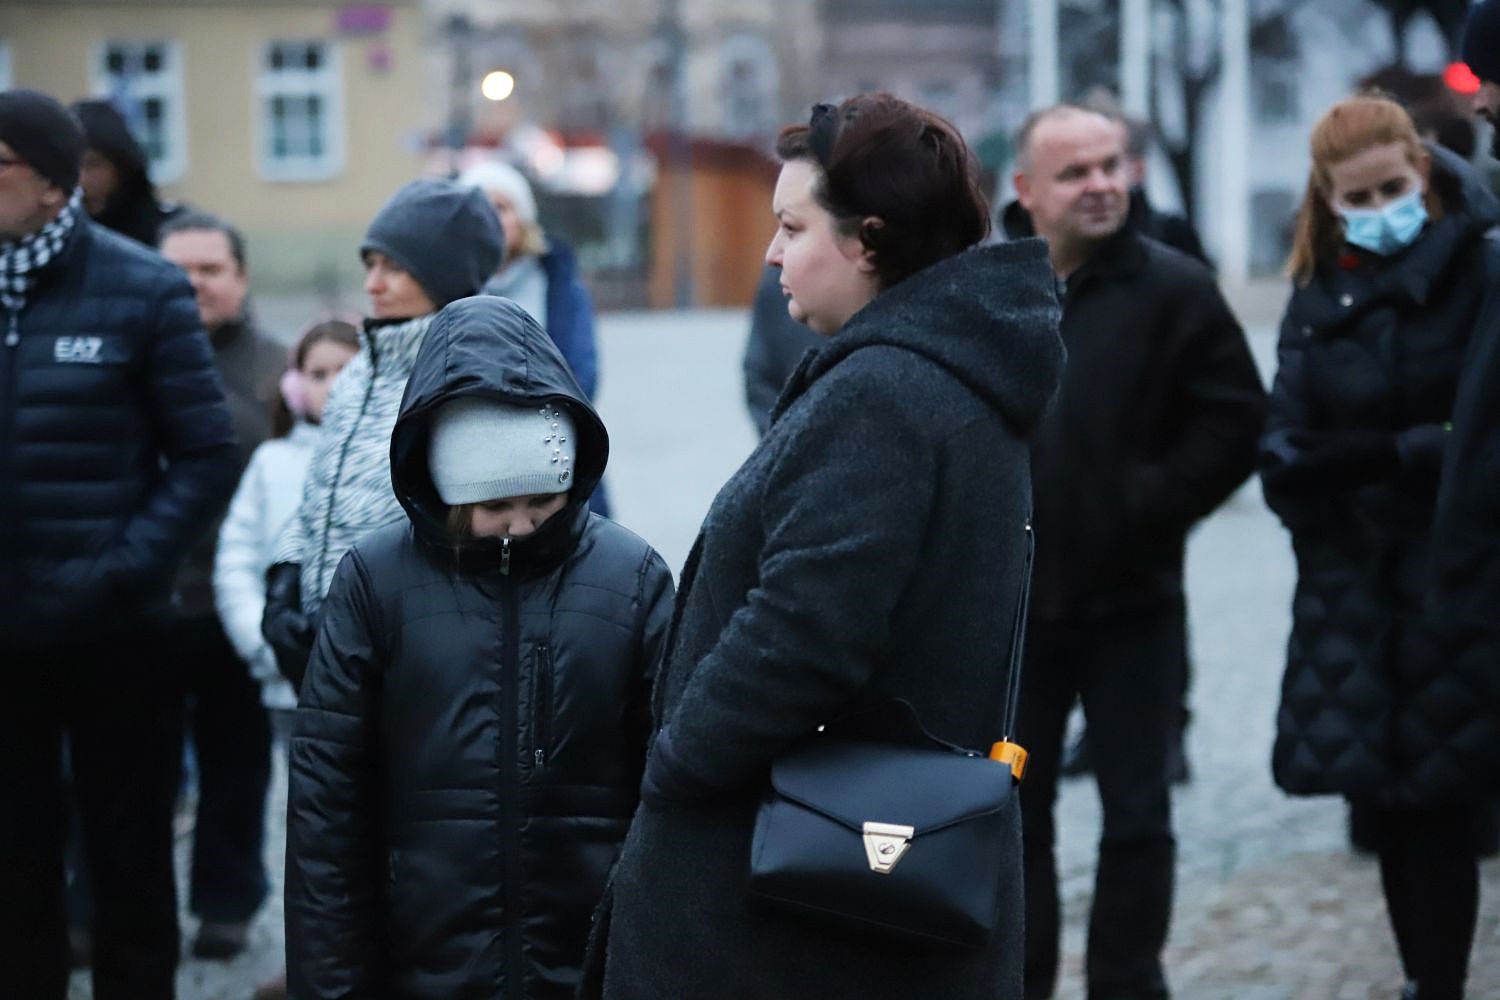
(497, 86)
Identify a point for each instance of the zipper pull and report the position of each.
(540, 756)
(505, 556)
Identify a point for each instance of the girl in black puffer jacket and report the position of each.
(473, 724)
(1393, 265)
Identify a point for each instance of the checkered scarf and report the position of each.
(21, 259)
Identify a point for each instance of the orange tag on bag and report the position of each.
(1013, 755)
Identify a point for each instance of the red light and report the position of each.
(1461, 79)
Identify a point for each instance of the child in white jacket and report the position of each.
(268, 495)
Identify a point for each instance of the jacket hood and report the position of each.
(448, 237)
(489, 347)
(988, 315)
(134, 199)
(1462, 189)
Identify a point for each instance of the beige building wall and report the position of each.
(303, 235)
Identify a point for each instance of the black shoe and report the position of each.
(221, 940)
(1077, 758)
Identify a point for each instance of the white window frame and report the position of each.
(5, 65)
(165, 85)
(325, 82)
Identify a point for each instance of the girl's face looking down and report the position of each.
(515, 517)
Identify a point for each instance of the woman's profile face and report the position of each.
(827, 276)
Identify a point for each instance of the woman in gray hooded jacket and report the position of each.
(432, 243)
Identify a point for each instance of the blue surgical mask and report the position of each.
(1392, 227)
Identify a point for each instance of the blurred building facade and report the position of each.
(294, 118)
(942, 54)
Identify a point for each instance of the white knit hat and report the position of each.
(484, 450)
(498, 177)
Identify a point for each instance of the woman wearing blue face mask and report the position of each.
(1392, 266)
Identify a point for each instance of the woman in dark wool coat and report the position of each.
(872, 547)
(1394, 265)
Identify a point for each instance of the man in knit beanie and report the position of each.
(1481, 51)
(119, 450)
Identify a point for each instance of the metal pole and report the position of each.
(1042, 63)
(679, 155)
(1234, 142)
(1135, 57)
(460, 113)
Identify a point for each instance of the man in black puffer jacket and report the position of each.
(115, 450)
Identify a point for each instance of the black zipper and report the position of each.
(541, 705)
(508, 750)
(7, 417)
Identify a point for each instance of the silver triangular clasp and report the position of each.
(886, 844)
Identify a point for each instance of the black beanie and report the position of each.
(446, 236)
(1482, 40)
(42, 133)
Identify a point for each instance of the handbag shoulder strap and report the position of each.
(1007, 751)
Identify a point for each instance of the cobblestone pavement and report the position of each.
(1270, 903)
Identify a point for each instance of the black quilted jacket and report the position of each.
(469, 739)
(1371, 707)
(116, 447)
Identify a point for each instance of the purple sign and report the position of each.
(363, 19)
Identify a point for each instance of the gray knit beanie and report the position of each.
(447, 237)
(484, 450)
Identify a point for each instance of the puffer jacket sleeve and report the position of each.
(240, 564)
(335, 855)
(1288, 413)
(195, 439)
(844, 514)
(657, 593)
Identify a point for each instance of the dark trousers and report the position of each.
(1429, 869)
(122, 715)
(1128, 676)
(231, 735)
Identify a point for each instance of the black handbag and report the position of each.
(874, 823)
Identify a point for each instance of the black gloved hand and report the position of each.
(1340, 459)
(1421, 449)
(286, 627)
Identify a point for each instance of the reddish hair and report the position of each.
(1347, 129)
